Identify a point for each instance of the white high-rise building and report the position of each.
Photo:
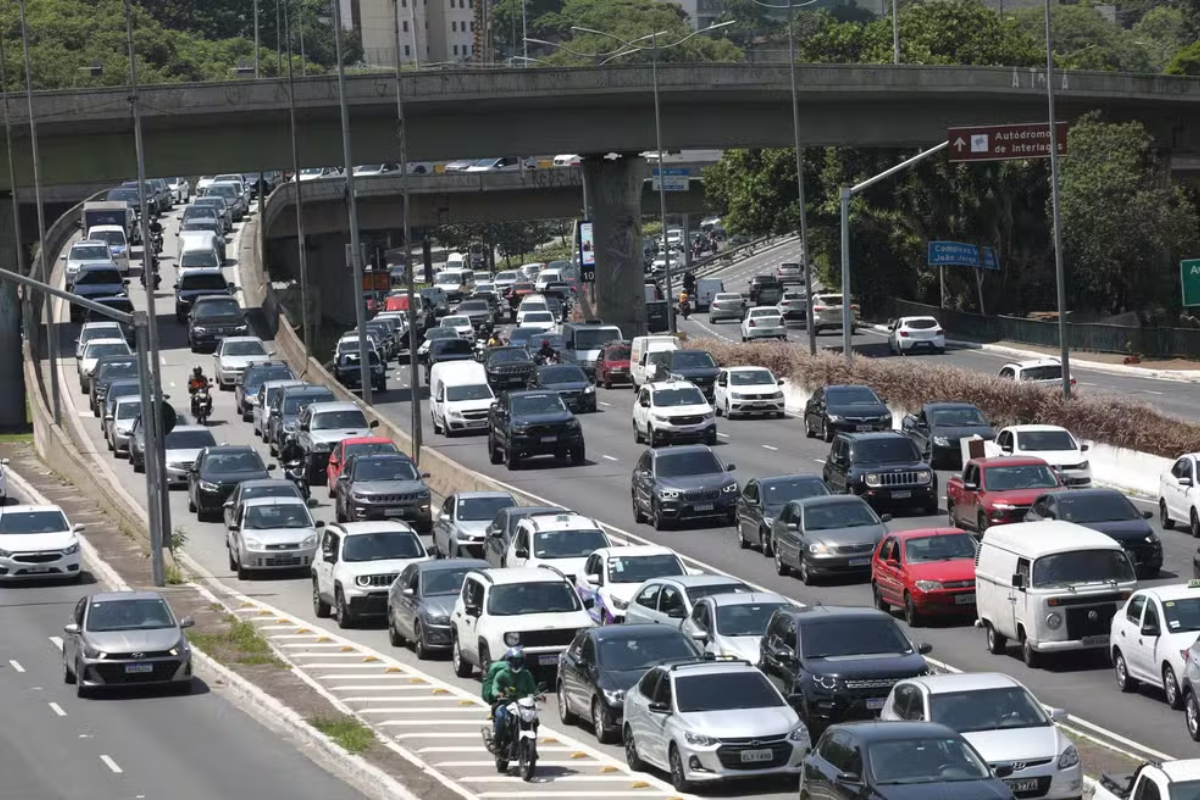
(431, 31)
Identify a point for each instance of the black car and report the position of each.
(679, 484)
(431, 335)
(212, 319)
(94, 281)
(845, 408)
(527, 338)
(421, 600)
(217, 472)
(838, 663)
(197, 283)
(761, 501)
(1111, 513)
(884, 469)
(765, 290)
(499, 534)
(533, 423)
(696, 366)
(383, 486)
(939, 428)
(107, 370)
(120, 302)
(508, 368)
(443, 350)
(604, 663)
(346, 369)
(572, 384)
(245, 390)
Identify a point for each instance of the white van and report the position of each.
(454, 282)
(706, 290)
(1050, 586)
(461, 397)
(114, 237)
(643, 346)
(547, 277)
(200, 249)
(456, 261)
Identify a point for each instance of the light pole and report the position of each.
(12, 173)
(256, 76)
(301, 250)
(360, 311)
(524, 33)
(895, 34)
(1059, 276)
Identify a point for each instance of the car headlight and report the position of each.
(700, 739)
(309, 541)
(1151, 539)
(1003, 506)
(799, 734)
(91, 652)
(180, 647)
(206, 486)
(71, 549)
(199, 329)
(512, 639)
(834, 418)
(710, 415)
(321, 447)
(589, 389)
(730, 489)
(818, 548)
(1084, 465)
(778, 396)
(941, 441)
(924, 477)
(929, 586)
(614, 696)
(668, 494)
(358, 496)
(661, 418)
(871, 480)
(573, 425)
(1069, 758)
(618, 603)
(1053, 621)
(363, 580)
(252, 543)
(827, 682)
(735, 396)
(453, 413)
(439, 619)
(520, 429)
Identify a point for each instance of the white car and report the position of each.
(1046, 371)
(827, 312)
(504, 280)
(669, 600)
(542, 320)
(234, 354)
(39, 542)
(118, 426)
(612, 575)
(673, 410)
(1003, 721)
(1178, 495)
(461, 325)
(763, 323)
(202, 184)
(356, 566)
(748, 390)
(1054, 445)
(101, 329)
(271, 534)
(3, 482)
(1151, 635)
(727, 305)
(92, 352)
(181, 189)
(793, 306)
(562, 540)
(916, 334)
(535, 609)
(733, 625)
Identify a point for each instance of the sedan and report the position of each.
(1111, 513)
(571, 383)
(727, 305)
(670, 600)
(827, 536)
(462, 526)
(180, 448)
(118, 425)
(733, 625)
(255, 490)
(92, 353)
(916, 335)
(217, 472)
(421, 600)
(763, 498)
(234, 354)
(103, 329)
(794, 307)
(272, 534)
(246, 389)
(763, 323)
(39, 542)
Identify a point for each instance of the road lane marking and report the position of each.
(16, 665)
(819, 460)
(57, 641)
(609, 458)
(723, 435)
(1151, 391)
(57, 709)
(108, 762)
(770, 447)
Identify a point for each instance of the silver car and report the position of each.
(261, 409)
(727, 305)
(101, 329)
(181, 448)
(255, 489)
(86, 251)
(92, 351)
(123, 639)
(270, 534)
(732, 625)
(181, 188)
(118, 426)
(670, 599)
(827, 536)
(234, 354)
(462, 527)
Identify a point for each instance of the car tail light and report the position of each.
(1072, 381)
(753, 324)
(1184, 654)
(820, 308)
(938, 332)
(854, 306)
(904, 334)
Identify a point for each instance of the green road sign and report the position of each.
(1189, 276)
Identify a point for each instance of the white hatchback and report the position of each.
(38, 542)
(461, 325)
(763, 323)
(916, 334)
(1054, 445)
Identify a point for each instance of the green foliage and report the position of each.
(1186, 61)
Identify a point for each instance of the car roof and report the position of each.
(1009, 461)
(1045, 537)
(634, 550)
(108, 340)
(1035, 428)
(671, 382)
(1183, 770)
(828, 500)
(378, 526)
(964, 681)
(229, 339)
(631, 630)
(471, 495)
(874, 436)
(96, 266)
(701, 667)
(510, 575)
(366, 458)
(893, 730)
(258, 483)
(1173, 591)
(698, 580)
(230, 448)
(560, 521)
(333, 405)
(772, 479)
(274, 501)
(820, 612)
(452, 563)
(941, 405)
(682, 450)
(746, 598)
(189, 428)
(108, 597)
(921, 533)
(29, 507)
(366, 440)
(286, 383)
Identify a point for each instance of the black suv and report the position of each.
(678, 484)
(216, 472)
(696, 366)
(765, 290)
(197, 283)
(572, 384)
(838, 663)
(508, 367)
(383, 486)
(346, 370)
(443, 350)
(533, 423)
(845, 408)
(938, 429)
(884, 469)
(212, 319)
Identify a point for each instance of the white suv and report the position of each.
(534, 608)
(673, 410)
(562, 540)
(1046, 371)
(356, 566)
(39, 542)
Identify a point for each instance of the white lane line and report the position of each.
(1085, 383)
(57, 642)
(57, 709)
(108, 762)
(819, 460)
(723, 435)
(606, 405)
(1151, 391)
(609, 458)
(16, 665)
(770, 447)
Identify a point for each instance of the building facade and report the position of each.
(431, 31)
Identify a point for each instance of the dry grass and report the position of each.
(907, 384)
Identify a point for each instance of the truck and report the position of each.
(1167, 780)
(997, 490)
(110, 212)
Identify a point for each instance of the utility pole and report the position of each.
(301, 249)
(1059, 272)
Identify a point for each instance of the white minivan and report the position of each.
(200, 250)
(460, 396)
(1050, 586)
(643, 346)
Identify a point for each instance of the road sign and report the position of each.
(674, 179)
(587, 252)
(1189, 277)
(1004, 142)
(961, 254)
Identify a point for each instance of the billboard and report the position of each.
(587, 252)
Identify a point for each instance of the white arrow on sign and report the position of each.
(959, 144)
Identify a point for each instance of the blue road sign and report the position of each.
(961, 254)
(675, 179)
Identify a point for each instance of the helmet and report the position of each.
(197, 371)
(545, 343)
(515, 658)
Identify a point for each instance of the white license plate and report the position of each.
(37, 570)
(703, 507)
(548, 658)
(901, 495)
(394, 512)
(757, 756)
(860, 562)
(133, 669)
(862, 427)
(1026, 785)
(964, 599)
(876, 703)
(1100, 639)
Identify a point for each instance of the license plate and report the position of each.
(548, 658)
(395, 512)
(901, 495)
(133, 669)
(549, 439)
(965, 599)
(757, 756)
(703, 507)
(860, 562)
(37, 570)
(1025, 785)
(1099, 639)
(862, 427)
(876, 703)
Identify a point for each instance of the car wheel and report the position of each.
(191, 505)
(781, 568)
(743, 542)
(1191, 715)
(710, 438)
(638, 516)
(764, 542)
(418, 640)
(233, 564)
(68, 675)
(826, 434)
(511, 460)
(678, 776)
(877, 598)
(485, 658)
(1194, 524)
(578, 456)
(565, 715)
(806, 577)
(332, 490)
(320, 607)
(607, 383)
(808, 431)
(1031, 657)
(1163, 517)
(996, 643)
(911, 615)
(394, 636)
(342, 611)
(656, 517)
(981, 523)
(494, 454)
(600, 723)
(718, 410)
(462, 667)
(632, 759)
(1171, 688)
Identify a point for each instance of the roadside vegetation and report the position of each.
(233, 641)
(350, 734)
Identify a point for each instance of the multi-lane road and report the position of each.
(601, 489)
(144, 745)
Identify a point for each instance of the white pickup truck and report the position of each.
(1168, 780)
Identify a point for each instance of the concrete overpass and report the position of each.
(85, 136)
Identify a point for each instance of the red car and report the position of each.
(996, 491)
(613, 365)
(354, 446)
(927, 573)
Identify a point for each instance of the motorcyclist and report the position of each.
(494, 340)
(547, 353)
(508, 682)
(689, 282)
(197, 383)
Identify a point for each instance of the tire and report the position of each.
(997, 644)
(565, 715)
(494, 454)
(638, 516)
(981, 523)
(1171, 688)
(950, 520)
(632, 759)
(780, 567)
(344, 618)
(394, 637)
(511, 461)
(806, 577)
(462, 667)
(911, 615)
(826, 434)
(81, 691)
(1191, 716)
(764, 543)
(320, 607)
(743, 542)
(527, 766)
(808, 431)
(710, 438)
(1031, 657)
(656, 517)
(485, 658)
(604, 732)
(931, 508)
(1194, 524)
(191, 505)
(233, 564)
(678, 779)
(877, 598)
(637, 435)
(68, 675)
(1164, 517)
(418, 641)
(578, 456)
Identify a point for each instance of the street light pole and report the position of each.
(1059, 276)
(808, 312)
(662, 183)
(301, 250)
(12, 172)
(360, 311)
(524, 33)
(256, 75)
(895, 34)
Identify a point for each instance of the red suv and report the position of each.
(927, 573)
(996, 491)
(613, 365)
(354, 446)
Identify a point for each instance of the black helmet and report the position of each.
(197, 371)
(515, 658)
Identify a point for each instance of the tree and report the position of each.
(1186, 61)
(1085, 39)
(1161, 32)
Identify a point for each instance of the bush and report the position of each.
(908, 385)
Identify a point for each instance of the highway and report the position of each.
(146, 745)
(600, 488)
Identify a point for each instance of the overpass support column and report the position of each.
(615, 193)
(12, 375)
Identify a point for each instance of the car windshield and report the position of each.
(448, 279)
(520, 336)
(40, 521)
(143, 613)
(116, 369)
(639, 653)
(951, 547)
(462, 393)
(926, 760)
(1095, 507)
(329, 420)
(201, 211)
(987, 709)
(442, 582)
(568, 544)
(530, 306)
(206, 224)
(216, 203)
(96, 277)
(294, 404)
(692, 359)
(1027, 476)
(542, 597)
(530, 404)
(639, 569)
(886, 450)
(368, 448)
(129, 410)
(217, 308)
(451, 347)
(745, 619)
(223, 190)
(867, 636)
(683, 396)
(1182, 615)
(679, 465)
(694, 593)
(474, 305)
(1045, 440)
(199, 258)
(440, 333)
(97, 349)
(852, 396)
(204, 282)
(284, 515)
(778, 493)
(126, 195)
(1082, 566)
(849, 513)
(537, 316)
(568, 373)
(480, 508)
(457, 322)
(381, 546)
(751, 377)
(725, 691)
(257, 376)
(595, 338)
(1183, 790)
(957, 417)
(921, 323)
(272, 489)
(109, 331)
(114, 238)
(619, 353)
(508, 355)
(189, 440)
(1047, 373)
(507, 277)
(386, 469)
(247, 461)
(90, 252)
(243, 349)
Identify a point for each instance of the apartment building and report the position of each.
(431, 31)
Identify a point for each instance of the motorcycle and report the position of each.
(156, 240)
(201, 406)
(685, 309)
(545, 361)
(295, 472)
(520, 739)
(146, 276)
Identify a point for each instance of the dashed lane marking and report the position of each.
(609, 458)
(770, 447)
(16, 665)
(57, 709)
(112, 765)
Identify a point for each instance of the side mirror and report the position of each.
(793, 526)
(1147, 515)
(924, 648)
(730, 467)
(408, 591)
(231, 286)
(312, 502)
(1006, 448)
(79, 528)
(472, 611)
(320, 524)
(1018, 581)
(1151, 629)
(187, 622)
(885, 517)
(850, 779)
(374, 424)
(592, 580)
(109, 417)
(426, 475)
(659, 708)
(700, 636)
(779, 381)
(970, 487)
(71, 628)
(1185, 481)
(1084, 448)
(271, 467)
(343, 477)
(676, 613)
(1059, 715)
(521, 552)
